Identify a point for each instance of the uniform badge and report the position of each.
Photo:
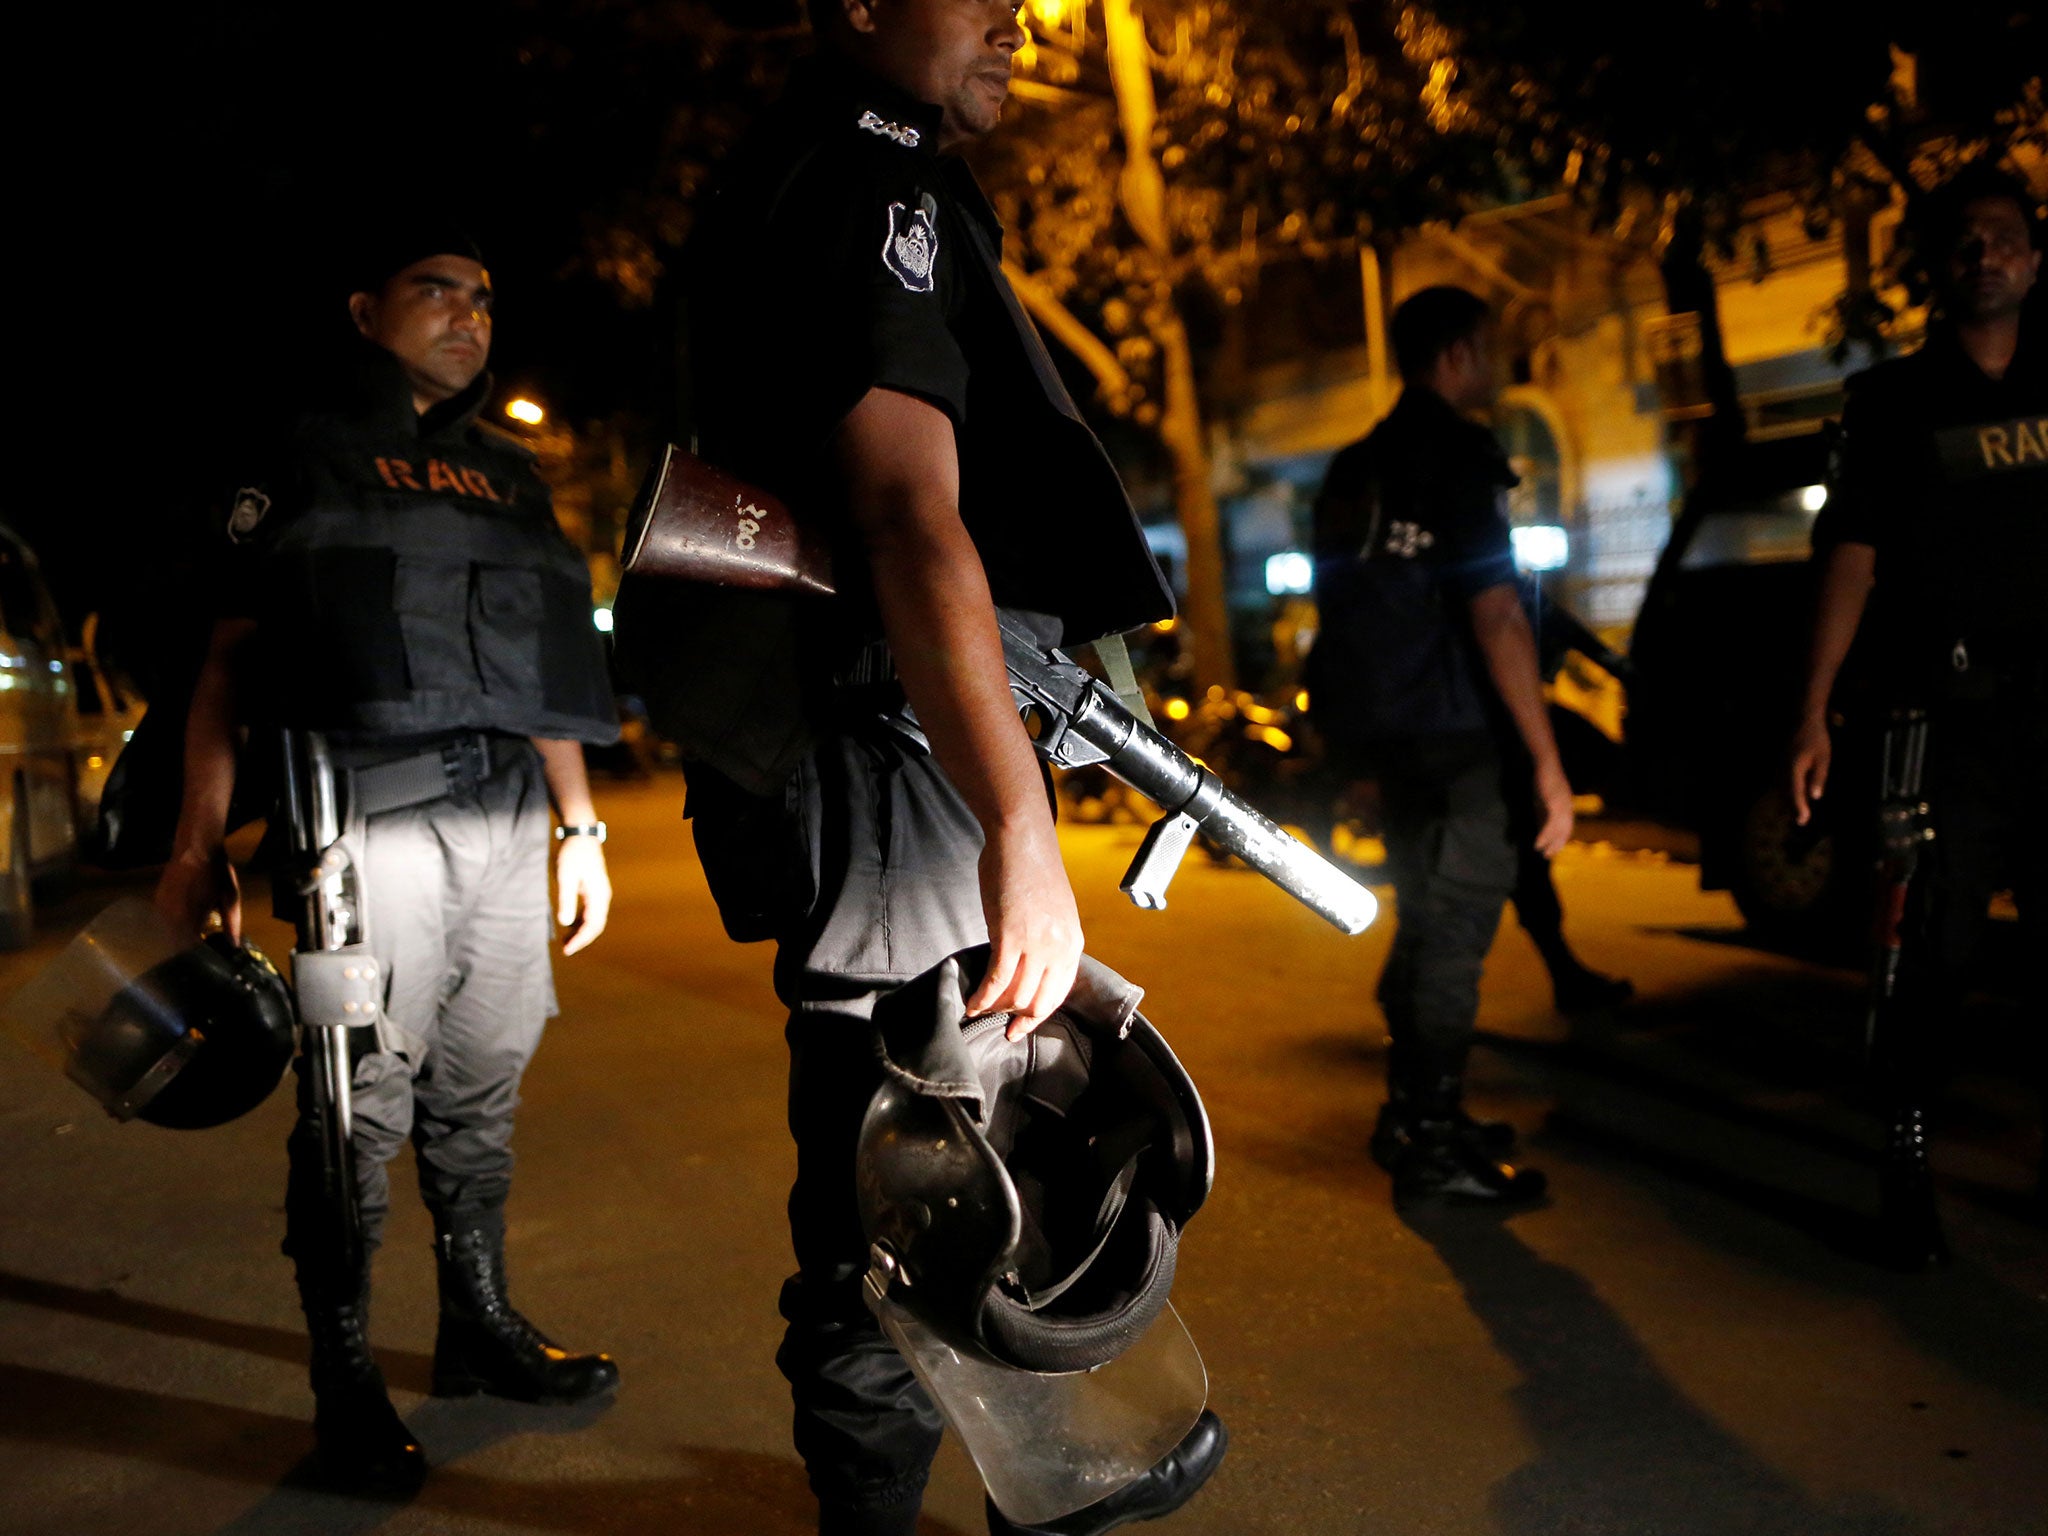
(911, 248)
(250, 507)
(874, 123)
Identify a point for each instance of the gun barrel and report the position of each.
(1167, 776)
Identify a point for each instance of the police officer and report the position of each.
(862, 789)
(395, 578)
(1935, 547)
(1425, 677)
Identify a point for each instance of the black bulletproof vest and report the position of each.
(1959, 608)
(1394, 655)
(418, 583)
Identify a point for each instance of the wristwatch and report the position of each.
(594, 829)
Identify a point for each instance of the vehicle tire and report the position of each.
(17, 895)
(1790, 882)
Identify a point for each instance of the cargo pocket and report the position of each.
(432, 600)
(504, 621)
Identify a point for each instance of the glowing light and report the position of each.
(1051, 13)
(1276, 738)
(57, 667)
(1813, 497)
(602, 618)
(1301, 701)
(525, 410)
(1177, 709)
(1540, 547)
(127, 735)
(94, 761)
(1165, 626)
(1289, 572)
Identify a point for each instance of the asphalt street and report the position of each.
(1684, 1341)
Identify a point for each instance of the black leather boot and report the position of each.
(483, 1344)
(1909, 1221)
(1579, 989)
(364, 1445)
(1394, 1132)
(1161, 1491)
(1441, 1163)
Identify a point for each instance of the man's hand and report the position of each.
(195, 886)
(1034, 929)
(1813, 753)
(1554, 798)
(583, 891)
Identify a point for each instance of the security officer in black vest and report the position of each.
(862, 789)
(1935, 546)
(396, 579)
(1425, 678)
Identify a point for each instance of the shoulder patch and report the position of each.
(910, 249)
(906, 136)
(250, 507)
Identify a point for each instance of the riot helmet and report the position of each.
(183, 1036)
(1024, 1202)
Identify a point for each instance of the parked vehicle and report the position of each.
(1717, 659)
(39, 738)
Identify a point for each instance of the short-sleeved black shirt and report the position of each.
(842, 253)
(1944, 472)
(1410, 525)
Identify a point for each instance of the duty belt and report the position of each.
(458, 763)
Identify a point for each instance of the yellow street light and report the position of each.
(525, 410)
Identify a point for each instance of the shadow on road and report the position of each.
(716, 1492)
(406, 1369)
(1621, 1451)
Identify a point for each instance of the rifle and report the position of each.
(335, 978)
(697, 523)
(1903, 829)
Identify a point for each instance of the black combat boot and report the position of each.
(483, 1344)
(1909, 1222)
(1414, 1082)
(1394, 1131)
(1440, 1159)
(1580, 989)
(1161, 1491)
(364, 1445)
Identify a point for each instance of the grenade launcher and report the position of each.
(697, 523)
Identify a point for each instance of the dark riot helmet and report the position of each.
(195, 1041)
(1024, 1200)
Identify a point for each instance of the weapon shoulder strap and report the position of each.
(1115, 658)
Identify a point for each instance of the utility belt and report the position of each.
(390, 777)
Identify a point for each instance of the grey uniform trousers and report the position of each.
(456, 899)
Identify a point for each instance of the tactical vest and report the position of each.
(421, 585)
(1958, 608)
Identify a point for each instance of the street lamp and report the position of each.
(525, 411)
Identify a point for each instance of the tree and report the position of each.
(1674, 118)
(1164, 150)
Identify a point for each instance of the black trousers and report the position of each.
(865, 872)
(1987, 786)
(1453, 865)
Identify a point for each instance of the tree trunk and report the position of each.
(1689, 289)
(1143, 191)
(1194, 499)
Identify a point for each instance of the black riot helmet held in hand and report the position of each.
(195, 1041)
(1025, 1198)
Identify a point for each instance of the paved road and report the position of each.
(1682, 1343)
